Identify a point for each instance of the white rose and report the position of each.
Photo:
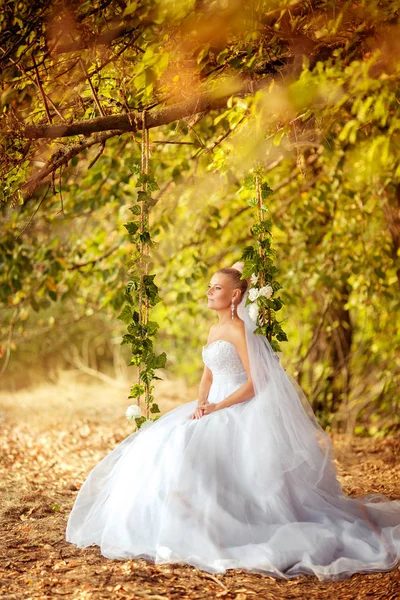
(253, 312)
(254, 279)
(253, 294)
(133, 411)
(266, 291)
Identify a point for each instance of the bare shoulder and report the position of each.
(239, 333)
(211, 330)
(210, 333)
(239, 328)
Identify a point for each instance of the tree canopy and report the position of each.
(308, 90)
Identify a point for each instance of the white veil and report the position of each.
(279, 400)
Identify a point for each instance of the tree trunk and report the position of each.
(333, 346)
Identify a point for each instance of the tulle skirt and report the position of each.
(219, 493)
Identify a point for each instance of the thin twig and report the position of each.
(31, 219)
(178, 143)
(61, 198)
(224, 136)
(93, 261)
(100, 152)
(39, 84)
(96, 99)
(9, 340)
(209, 576)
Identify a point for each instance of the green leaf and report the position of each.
(266, 191)
(147, 376)
(249, 183)
(278, 136)
(349, 131)
(203, 53)
(136, 210)
(136, 360)
(145, 237)
(126, 314)
(159, 361)
(137, 390)
(143, 197)
(222, 56)
(282, 337)
(132, 227)
(127, 339)
(153, 327)
(128, 297)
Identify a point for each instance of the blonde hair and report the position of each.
(235, 275)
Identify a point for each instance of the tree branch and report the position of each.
(62, 158)
(93, 261)
(154, 118)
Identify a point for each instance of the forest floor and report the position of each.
(50, 439)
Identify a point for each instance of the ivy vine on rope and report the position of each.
(259, 265)
(141, 292)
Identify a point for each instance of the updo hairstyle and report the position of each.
(235, 276)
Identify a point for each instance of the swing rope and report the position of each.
(258, 182)
(262, 254)
(144, 246)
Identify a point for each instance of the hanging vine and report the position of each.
(141, 293)
(259, 266)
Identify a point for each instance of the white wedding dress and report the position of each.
(223, 492)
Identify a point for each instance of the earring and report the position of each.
(233, 309)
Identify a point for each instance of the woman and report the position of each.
(242, 478)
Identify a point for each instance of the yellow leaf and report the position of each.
(50, 284)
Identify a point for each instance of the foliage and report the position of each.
(307, 90)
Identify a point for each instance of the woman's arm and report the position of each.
(204, 386)
(245, 392)
(204, 389)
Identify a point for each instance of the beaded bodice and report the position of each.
(222, 358)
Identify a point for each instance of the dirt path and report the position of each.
(48, 445)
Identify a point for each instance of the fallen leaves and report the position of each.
(40, 474)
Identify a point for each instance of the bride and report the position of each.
(241, 478)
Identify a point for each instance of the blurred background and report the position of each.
(307, 90)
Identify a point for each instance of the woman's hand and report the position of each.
(209, 408)
(198, 413)
(203, 409)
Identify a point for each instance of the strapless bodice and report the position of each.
(223, 360)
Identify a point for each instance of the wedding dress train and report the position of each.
(238, 488)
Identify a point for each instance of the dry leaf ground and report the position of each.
(53, 435)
